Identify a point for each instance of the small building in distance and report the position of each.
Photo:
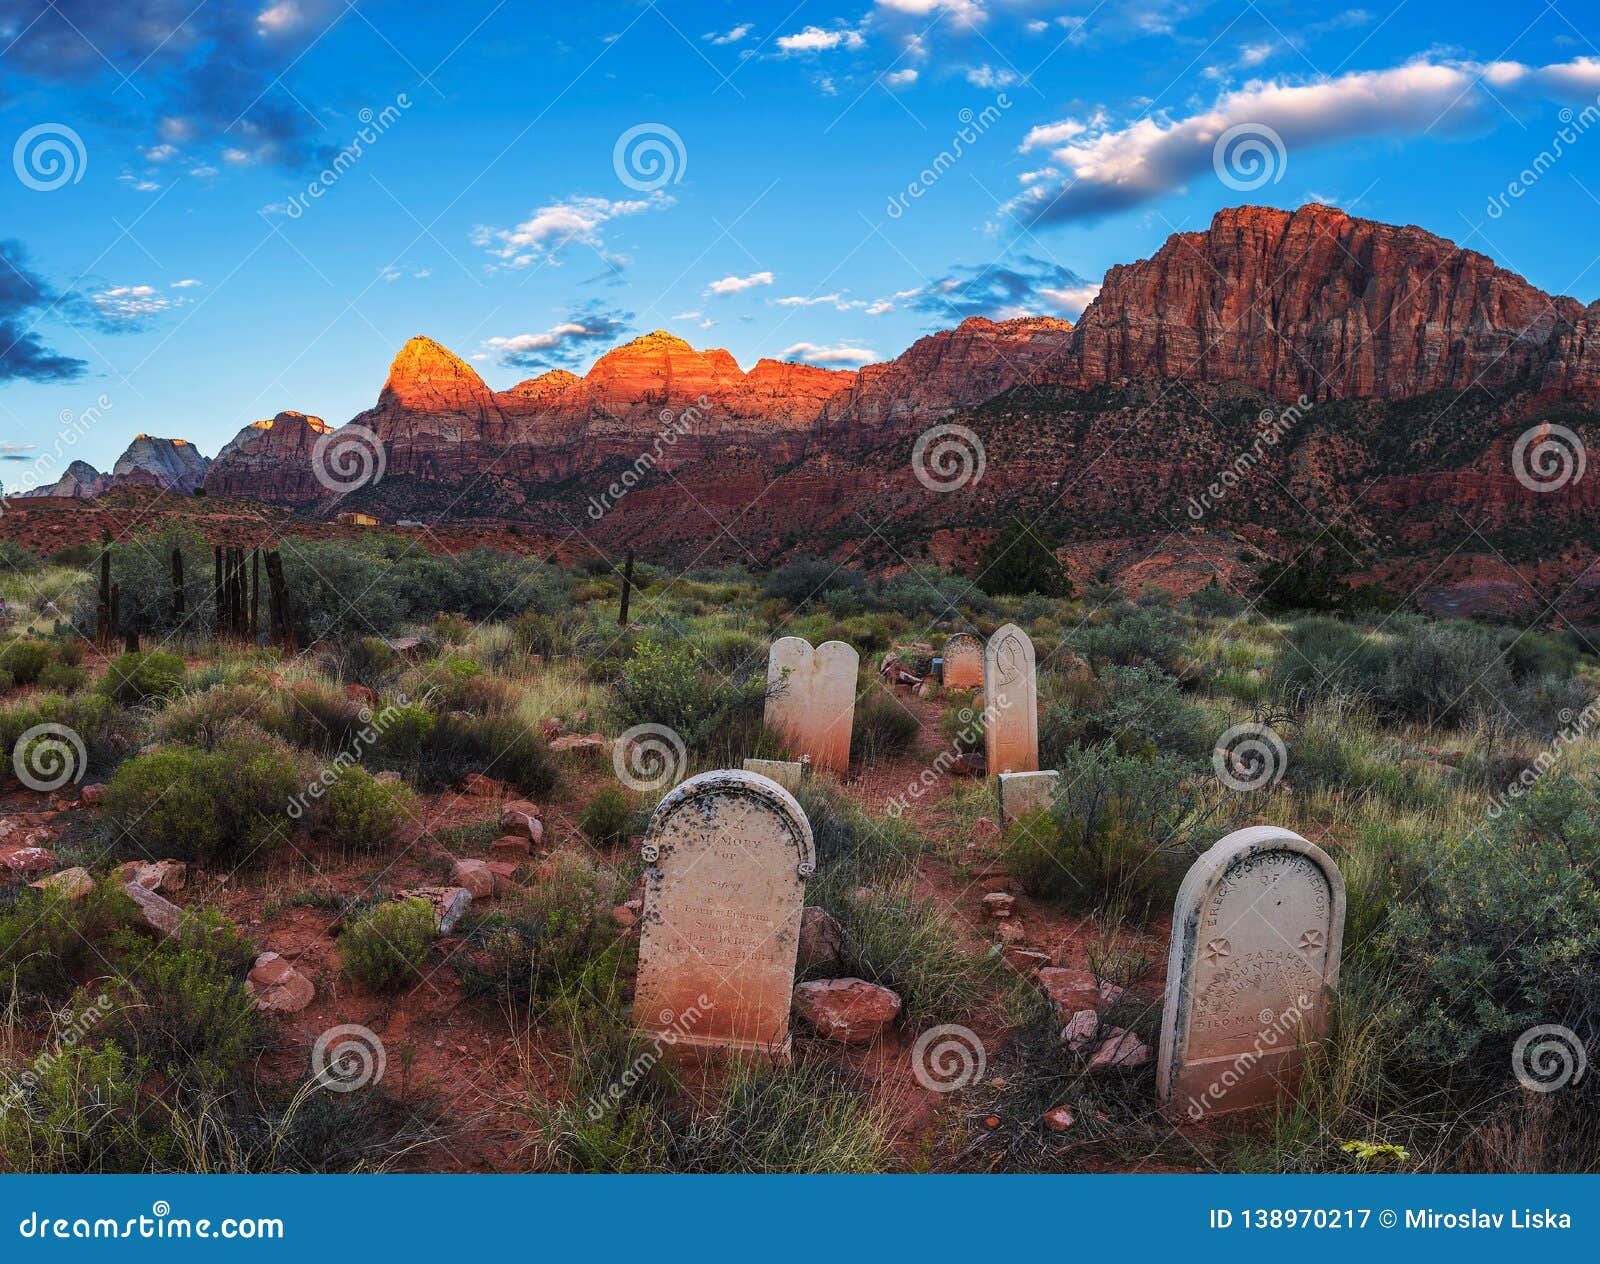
(352, 519)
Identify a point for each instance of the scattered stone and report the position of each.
(821, 939)
(72, 884)
(1026, 960)
(1120, 1050)
(481, 787)
(156, 912)
(1059, 1118)
(1011, 932)
(969, 764)
(91, 795)
(1081, 1030)
(580, 742)
(551, 728)
(474, 876)
(505, 876)
(991, 1121)
(388, 777)
(155, 875)
(999, 904)
(985, 832)
(925, 688)
(1070, 990)
(26, 862)
(851, 1011)
(277, 986)
(512, 847)
(449, 904)
(366, 696)
(624, 917)
(522, 818)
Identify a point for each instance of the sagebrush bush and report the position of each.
(883, 728)
(78, 1113)
(1140, 710)
(498, 746)
(384, 948)
(666, 685)
(1132, 636)
(808, 581)
(202, 718)
(46, 939)
(23, 661)
(220, 806)
(141, 676)
(91, 716)
(605, 818)
(361, 813)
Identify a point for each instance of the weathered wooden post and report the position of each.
(627, 585)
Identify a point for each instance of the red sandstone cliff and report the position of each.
(270, 460)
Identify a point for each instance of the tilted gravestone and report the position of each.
(1256, 935)
(728, 855)
(1024, 793)
(1010, 702)
(963, 662)
(811, 699)
(789, 774)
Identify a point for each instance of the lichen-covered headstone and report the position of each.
(1010, 702)
(728, 855)
(1256, 934)
(787, 773)
(811, 699)
(963, 662)
(1024, 793)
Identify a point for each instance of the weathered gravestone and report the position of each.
(1256, 933)
(963, 662)
(1010, 702)
(728, 855)
(787, 773)
(1023, 793)
(811, 698)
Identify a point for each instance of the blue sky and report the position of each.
(173, 261)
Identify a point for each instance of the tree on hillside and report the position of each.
(1020, 561)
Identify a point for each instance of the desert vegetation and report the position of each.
(310, 796)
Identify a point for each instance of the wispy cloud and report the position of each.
(735, 284)
(812, 353)
(552, 228)
(563, 344)
(816, 39)
(733, 36)
(1003, 290)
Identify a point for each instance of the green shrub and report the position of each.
(498, 746)
(606, 817)
(47, 940)
(141, 676)
(1133, 636)
(63, 678)
(385, 947)
(565, 633)
(1447, 674)
(1214, 601)
(90, 716)
(1138, 709)
(666, 686)
(1324, 656)
(324, 719)
(206, 717)
(1019, 561)
(406, 730)
(1117, 833)
(23, 661)
(809, 581)
(217, 807)
(361, 813)
(77, 1113)
(883, 728)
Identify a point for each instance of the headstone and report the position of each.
(963, 662)
(811, 698)
(1024, 793)
(1256, 934)
(786, 772)
(1010, 702)
(728, 855)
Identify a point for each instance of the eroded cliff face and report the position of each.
(270, 460)
(173, 465)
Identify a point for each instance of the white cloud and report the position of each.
(880, 307)
(811, 353)
(551, 228)
(687, 316)
(1100, 169)
(279, 19)
(140, 184)
(900, 78)
(964, 12)
(814, 39)
(799, 300)
(1072, 299)
(552, 337)
(188, 283)
(734, 284)
(987, 76)
(238, 157)
(129, 304)
(159, 153)
(729, 37)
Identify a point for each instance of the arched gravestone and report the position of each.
(728, 855)
(1256, 934)
(963, 662)
(811, 699)
(1010, 703)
